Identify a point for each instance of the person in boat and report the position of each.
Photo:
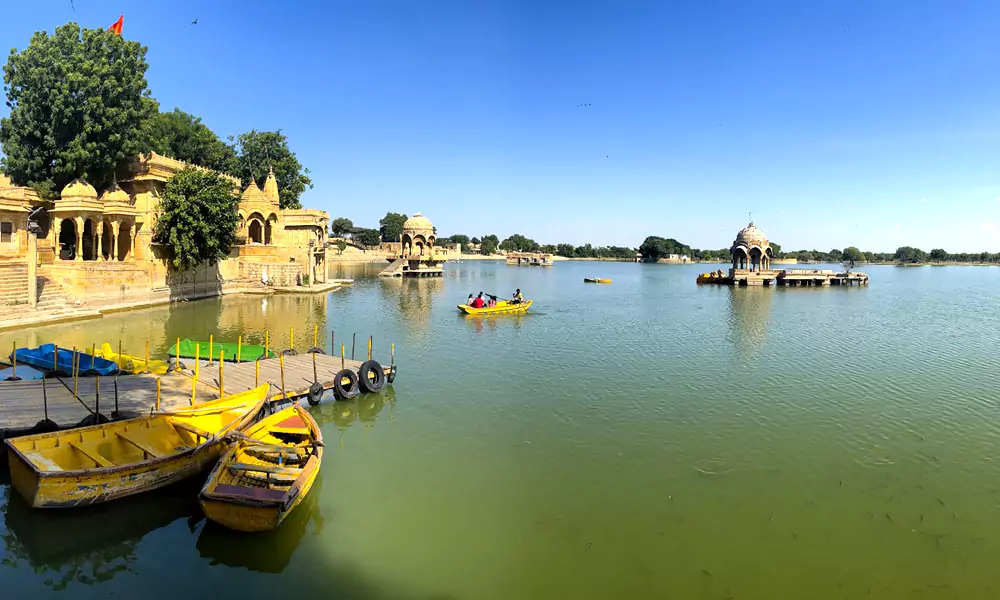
(469, 301)
(478, 302)
(517, 299)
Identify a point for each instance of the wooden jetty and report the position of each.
(23, 403)
(531, 259)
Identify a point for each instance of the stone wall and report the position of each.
(280, 274)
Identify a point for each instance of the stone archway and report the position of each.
(67, 239)
(124, 241)
(89, 236)
(107, 241)
(267, 232)
(254, 233)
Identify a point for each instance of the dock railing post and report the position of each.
(239, 348)
(211, 355)
(315, 376)
(281, 362)
(256, 373)
(369, 347)
(354, 339)
(177, 355)
(97, 400)
(267, 341)
(75, 371)
(291, 338)
(333, 343)
(146, 368)
(392, 355)
(45, 399)
(222, 381)
(157, 393)
(13, 359)
(55, 359)
(315, 335)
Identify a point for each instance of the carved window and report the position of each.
(6, 232)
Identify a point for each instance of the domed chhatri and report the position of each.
(115, 195)
(78, 188)
(751, 251)
(418, 236)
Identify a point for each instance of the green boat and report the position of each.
(247, 353)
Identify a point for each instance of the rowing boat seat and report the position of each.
(94, 456)
(146, 448)
(269, 469)
(243, 492)
(292, 425)
(192, 429)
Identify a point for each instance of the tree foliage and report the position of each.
(939, 254)
(909, 254)
(198, 218)
(184, 137)
(458, 238)
(852, 254)
(391, 226)
(77, 107)
(489, 244)
(259, 151)
(519, 243)
(367, 237)
(654, 248)
(341, 226)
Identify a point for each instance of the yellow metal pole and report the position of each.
(197, 369)
(177, 356)
(239, 348)
(210, 353)
(256, 373)
(157, 393)
(315, 335)
(120, 359)
(222, 381)
(342, 357)
(291, 338)
(146, 370)
(267, 340)
(369, 347)
(281, 361)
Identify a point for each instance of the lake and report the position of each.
(651, 438)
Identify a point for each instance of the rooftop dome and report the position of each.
(79, 188)
(751, 236)
(418, 224)
(114, 194)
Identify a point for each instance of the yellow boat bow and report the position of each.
(502, 308)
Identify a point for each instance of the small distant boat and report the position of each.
(269, 472)
(247, 352)
(502, 308)
(44, 357)
(592, 280)
(95, 464)
(713, 277)
(132, 364)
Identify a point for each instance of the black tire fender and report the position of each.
(315, 393)
(345, 392)
(371, 377)
(392, 374)
(315, 350)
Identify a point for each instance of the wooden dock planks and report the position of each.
(21, 405)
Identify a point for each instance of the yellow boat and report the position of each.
(269, 472)
(592, 280)
(502, 308)
(134, 364)
(103, 462)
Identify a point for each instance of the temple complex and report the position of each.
(415, 254)
(93, 246)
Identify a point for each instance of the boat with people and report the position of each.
(99, 463)
(713, 277)
(495, 306)
(50, 357)
(593, 280)
(244, 352)
(132, 364)
(266, 474)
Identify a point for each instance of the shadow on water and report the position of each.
(90, 545)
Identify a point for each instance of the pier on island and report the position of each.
(414, 255)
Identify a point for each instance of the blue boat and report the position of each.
(43, 357)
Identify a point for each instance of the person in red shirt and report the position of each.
(478, 302)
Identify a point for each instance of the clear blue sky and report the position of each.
(875, 124)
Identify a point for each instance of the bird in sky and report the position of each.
(195, 22)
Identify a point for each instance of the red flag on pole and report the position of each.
(117, 27)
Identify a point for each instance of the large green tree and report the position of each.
(367, 237)
(519, 243)
(390, 227)
(183, 136)
(851, 253)
(198, 218)
(489, 244)
(654, 248)
(78, 102)
(260, 151)
(341, 226)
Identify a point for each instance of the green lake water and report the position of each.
(651, 438)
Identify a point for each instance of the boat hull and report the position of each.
(246, 353)
(132, 364)
(500, 309)
(91, 465)
(593, 280)
(44, 357)
(227, 500)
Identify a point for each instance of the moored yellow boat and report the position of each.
(502, 308)
(133, 364)
(594, 280)
(103, 462)
(266, 474)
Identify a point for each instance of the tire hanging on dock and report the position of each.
(175, 365)
(315, 393)
(371, 376)
(315, 350)
(392, 374)
(346, 392)
(290, 352)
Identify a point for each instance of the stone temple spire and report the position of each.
(271, 187)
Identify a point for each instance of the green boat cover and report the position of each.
(248, 352)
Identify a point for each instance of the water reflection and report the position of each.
(268, 551)
(364, 409)
(749, 313)
(93, 544)
(413, 297)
